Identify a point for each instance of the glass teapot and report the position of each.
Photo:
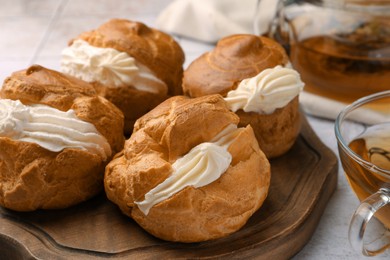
(340, 47)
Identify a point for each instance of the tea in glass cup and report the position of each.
(341, 48)
(363, 137)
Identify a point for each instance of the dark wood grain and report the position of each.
(301, 184)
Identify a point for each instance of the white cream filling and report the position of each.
(108, 67)
(270, 89)
(202, 165)
(50, 128)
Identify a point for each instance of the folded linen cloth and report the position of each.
(320, 106)
(210, 20)
(328, 108)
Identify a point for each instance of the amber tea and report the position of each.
(345, 66)
(373, 145)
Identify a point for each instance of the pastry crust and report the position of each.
(235, 58)
(193, 214)
(32, 177)
(152, 48)
(277, 132)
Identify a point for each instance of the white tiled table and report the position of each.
(35, 31)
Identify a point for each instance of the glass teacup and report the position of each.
(363, 137)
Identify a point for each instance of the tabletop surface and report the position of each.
(35, 32)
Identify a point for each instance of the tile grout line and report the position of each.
(46, 35)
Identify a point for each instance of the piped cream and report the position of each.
(202, 165)
(269, 90)
(50, 128)
(108, 67)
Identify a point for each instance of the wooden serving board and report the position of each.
(302, 182)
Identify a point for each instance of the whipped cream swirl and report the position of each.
(202, 165)
(50, 128)
(270, 89)
(108, 67)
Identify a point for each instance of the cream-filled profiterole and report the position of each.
(132, 65)
(252, 73)
(182, 180)
(56, 137)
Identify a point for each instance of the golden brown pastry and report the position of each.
(56, 137)
(188, 173)
(133, 66)
(249, 72)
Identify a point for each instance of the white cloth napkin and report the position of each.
(320, 106)
(210, 20)
(328, 108)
